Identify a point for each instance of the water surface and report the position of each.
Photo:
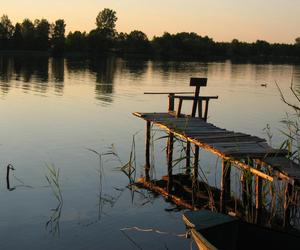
(54, 110)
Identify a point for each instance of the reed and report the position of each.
(52, 177)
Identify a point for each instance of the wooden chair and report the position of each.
(197, 100)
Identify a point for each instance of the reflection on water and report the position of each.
(40, 74)
(52, 110)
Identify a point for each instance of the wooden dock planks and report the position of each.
(224, 143)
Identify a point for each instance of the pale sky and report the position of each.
(222, 20)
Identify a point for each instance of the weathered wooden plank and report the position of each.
(226, 134)
(254, 154)
(217, 141)
(223, 138)
(167, 93)
(234, 137)
(284, 165)
(191, 98)
(206, 130)
(233, 144)
(187, 125)
(172, 119)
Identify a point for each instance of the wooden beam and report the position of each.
(206, 110)
(179, 108)
(170, 162)
(225, 185)
(195, 175)
(188, 158)
(200, 109)
(147, 153)
(194, 108)
(167, 93)
(171, 102)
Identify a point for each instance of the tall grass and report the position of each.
(52, 177)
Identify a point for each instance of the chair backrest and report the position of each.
(197, 82)
(201, 82)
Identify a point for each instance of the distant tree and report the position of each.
(42, 30)
(106, 19)
(120, 41)
(6, 31)
(137, 42)
(261, 48)
(100, 40)
(103, 38)
(58, 37)
(239, 49)
(28, 31)
(17, 38)
(76, 41)
(183, 44)
(297, 41)
(163, 46)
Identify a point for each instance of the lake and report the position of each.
(59, 113)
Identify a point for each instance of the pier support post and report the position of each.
(225, 185)
(258, 198)
(147, 153)
(287, 204)
(188, 158)
(247, 192)
(195, 101)
(206, 110)
(195, 175)
(171, 104)
(170, 162)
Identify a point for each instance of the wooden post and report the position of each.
(195, 175)
(206, 110)
(287, 204)
(148, 139)
(170, 161)
(258, 198)
(179, 108)
(200, 109)
(188, 158)
(197, 91)
(225, 185)
(7, 176)
(171, 104)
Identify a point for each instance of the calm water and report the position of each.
(54, 110)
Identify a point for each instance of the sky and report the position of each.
(222, 20)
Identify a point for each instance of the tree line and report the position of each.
(40, 35)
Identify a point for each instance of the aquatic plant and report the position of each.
(52, 177)
(53, 180)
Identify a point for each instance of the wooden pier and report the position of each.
(249, 153)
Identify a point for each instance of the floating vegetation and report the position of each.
(148, 230)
